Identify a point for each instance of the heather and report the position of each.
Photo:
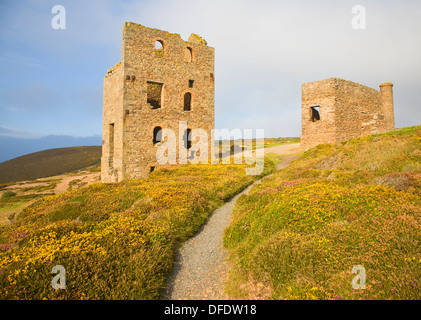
(116, 241)
(301, 231)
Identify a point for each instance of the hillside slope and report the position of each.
(48, 163)
(302, 231)
(116, 240)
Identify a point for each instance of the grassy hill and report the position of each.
(297, 235)
(117, 240)
(301, 231)
(48, 163)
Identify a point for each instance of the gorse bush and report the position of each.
(304, 228)
(116, 241)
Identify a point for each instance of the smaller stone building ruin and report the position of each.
(335, 110)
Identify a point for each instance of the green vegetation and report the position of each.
(116, 241)
(274, 157)
(303, 229)
(273, 142)
(23, 194)
(49, 163)
(9, 205)
(8, 194)
(74, 184)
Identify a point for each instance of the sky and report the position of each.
(52, 80)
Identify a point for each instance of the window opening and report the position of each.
(154, 94)
(315, 113)
(157, 135)
(187, 101)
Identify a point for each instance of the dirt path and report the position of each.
(84, 178)
(285, 149)
(201, 268)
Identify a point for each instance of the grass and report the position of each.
(74, 184)
(267, 143)
(302, 230)
(273, 142)
(12, 202)
(10, 205)
(274, 157)
(47, 185)
(49, 163)
(116, 241)
(8, 194)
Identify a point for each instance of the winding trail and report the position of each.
(201, 268)
(83, 177)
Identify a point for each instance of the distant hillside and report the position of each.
(48, 163)
(12, 147)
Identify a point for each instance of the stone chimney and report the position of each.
(386, 92)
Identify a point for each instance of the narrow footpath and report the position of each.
(201, 268)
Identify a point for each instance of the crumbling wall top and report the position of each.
(385, 84)
(137, 26)
(195, 38)
(111, 70)
(338, 82)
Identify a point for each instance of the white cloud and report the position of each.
(17, 133)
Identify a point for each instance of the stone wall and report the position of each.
(358, 110)
(174, 68)
(112, 115)
(347, 110)
(322, 94)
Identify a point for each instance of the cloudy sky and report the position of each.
(51, 80)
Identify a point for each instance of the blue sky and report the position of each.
(51, 80)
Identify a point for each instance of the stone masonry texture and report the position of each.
(344, 110)
(147, 90)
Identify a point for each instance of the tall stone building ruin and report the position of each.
(335, 110)
(161, 81)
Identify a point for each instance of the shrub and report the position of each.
(302, 230)
(8, 194)
(116, 241)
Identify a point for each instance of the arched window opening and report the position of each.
(187, 101)
(187, 138)
(188, 54)
(159, 49)
(157, 135)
